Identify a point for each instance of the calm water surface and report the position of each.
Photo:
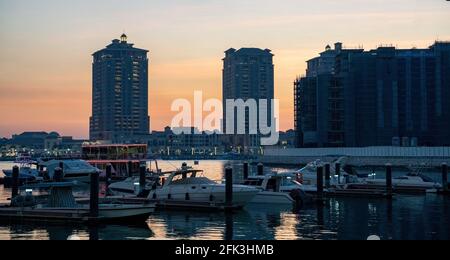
(406, 217)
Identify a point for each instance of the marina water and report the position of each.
(405, 217)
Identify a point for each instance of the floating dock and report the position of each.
(189, 205)
(361, 193)
(61, 206)
(395, 189)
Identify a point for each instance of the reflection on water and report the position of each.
(28, 231)
(406, 217)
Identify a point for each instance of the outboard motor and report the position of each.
(299, 198)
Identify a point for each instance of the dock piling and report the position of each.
(142, 171)
(445, 177)
(15, 182)
(320, 182)
(260, 169)
(389, 179)
(108, 173)
(229, 186)
(58, 175)
(130, 169)
(245, 170)
(327, 175)
(93, 202)
(338, 172)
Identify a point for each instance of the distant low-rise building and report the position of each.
(172, 142)
(35, 140)
(287, 139)
(42, 143)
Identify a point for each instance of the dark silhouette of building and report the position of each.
(385, 96)
(119, 92)
(248, 73)
(43, 140)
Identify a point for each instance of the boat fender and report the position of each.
(300, 178)
(187, 196)
(211, 198)
(169, 196)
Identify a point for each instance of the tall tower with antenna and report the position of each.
(119, 92)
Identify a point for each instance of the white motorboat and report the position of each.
(277, 189)
(188, 185)
(74, 170)
(61, 205)
(26, 174)
(26, 171)
(307, 176)
(119, 211)
(130, 187)
(410, 180)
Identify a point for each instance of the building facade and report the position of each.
(385, 96)
(119, 92)
(248, 74)
(190, 142)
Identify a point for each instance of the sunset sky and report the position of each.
(46, 47)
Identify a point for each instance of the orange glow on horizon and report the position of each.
(45, 60)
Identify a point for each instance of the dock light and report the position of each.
(136, 187)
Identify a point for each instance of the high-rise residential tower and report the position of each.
(248, 73)
(386, 96)
(119, 92)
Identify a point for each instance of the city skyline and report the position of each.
(49, 87)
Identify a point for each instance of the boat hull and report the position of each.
(268, 197)
(83, 179)
(106, 213)
(129, 211)
(215, 194)
(404, 184)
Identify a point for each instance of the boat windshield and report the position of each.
(426, 178)
(191, 180)
(289, 181)
(253, 182)
(76, 165)
(423, 177)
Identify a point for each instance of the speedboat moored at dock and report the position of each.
(277, 189)
(73, 170)
(185, 188)
(410, 180)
